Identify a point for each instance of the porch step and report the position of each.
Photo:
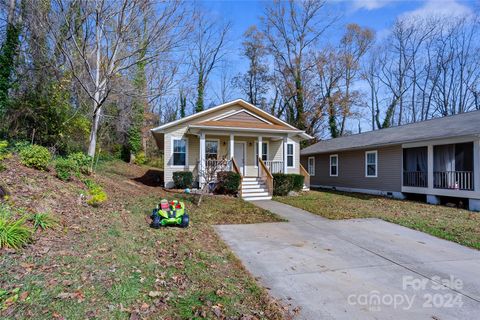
(246, 183)
(257, 198)
(253, 186)
(257, 193)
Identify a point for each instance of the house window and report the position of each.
(211, 149)
(371, 164)
(264, 152)
(311, 166)
(290, 157)
(179, 152)
(334, 165)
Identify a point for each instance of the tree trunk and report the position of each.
(200, 94)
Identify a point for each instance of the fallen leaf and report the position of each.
(24, 295)
(65, 295)
(154, 294)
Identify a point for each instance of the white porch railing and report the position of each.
(274, 166)
(415, 179)
(457, 180)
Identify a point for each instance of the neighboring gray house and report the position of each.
(438, 157)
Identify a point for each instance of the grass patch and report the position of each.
(458, 225)
(111, 265)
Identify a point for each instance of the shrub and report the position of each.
(13, 232)
(3, 150)
(183, 179)
(64, 168)
(82, 161)
(96, 193)
(228, 182)
(297, 182)
(284, 183)
(20, 145)
(43, 221)
(140, 158)
(35, 156)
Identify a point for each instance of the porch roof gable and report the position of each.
(249, 117)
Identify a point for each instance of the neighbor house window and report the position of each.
(211, 149)
(333, 165)
(264, 152)
(371, 163)
(179, 152)
(311, 166)
(290, 156)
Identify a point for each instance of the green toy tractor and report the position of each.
(171, 213)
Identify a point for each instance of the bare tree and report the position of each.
(206, 50)
(106, 44)
(256, 81)
(292, 30)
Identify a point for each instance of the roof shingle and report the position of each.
(464, 124)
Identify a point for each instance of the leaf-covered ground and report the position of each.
(453, 224)
(106, 263)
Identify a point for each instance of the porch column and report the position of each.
(285, 140)
(201, 164)
(232, 146)
(259, 153)
(476, 165)
(430, 166)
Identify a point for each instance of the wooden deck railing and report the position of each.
(274, 166)
(236, 169)
(415, 179)
(266, 175)
(458, 180)
(306, 176)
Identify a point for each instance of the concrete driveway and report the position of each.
(358, 269)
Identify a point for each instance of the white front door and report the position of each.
(239, 155)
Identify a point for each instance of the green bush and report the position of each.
(35, 156)
(140, 158)
(13, 232)
(228, 182)
(43, 221)
(64, 168)
(183, 179)
(3, 150)
(96, 193)
(82, 161)
(284, 183)
(297, 182)
(20, 145)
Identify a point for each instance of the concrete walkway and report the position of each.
(358, 269)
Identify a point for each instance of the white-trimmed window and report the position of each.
(290, 155)
(211, 149)
(334, 165)
(371, 160)
(311, 166)
(264, 152)
(179, 154)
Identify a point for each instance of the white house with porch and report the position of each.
(235, 136)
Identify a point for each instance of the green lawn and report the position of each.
(453, 224)
(106, 263)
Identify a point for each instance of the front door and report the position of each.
(239, 155)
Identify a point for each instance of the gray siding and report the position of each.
(351, 169)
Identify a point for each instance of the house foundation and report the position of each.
(433, 199)
(474, 205)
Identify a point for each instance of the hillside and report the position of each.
(105, 262)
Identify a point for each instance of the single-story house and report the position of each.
(227, 137)
(436, 158)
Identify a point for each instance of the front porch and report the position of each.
(442, 169)
(255, 157)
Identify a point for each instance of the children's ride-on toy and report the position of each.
(171, 213)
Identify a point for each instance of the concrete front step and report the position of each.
(253, 186)
(257, 198)
(254, 193)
